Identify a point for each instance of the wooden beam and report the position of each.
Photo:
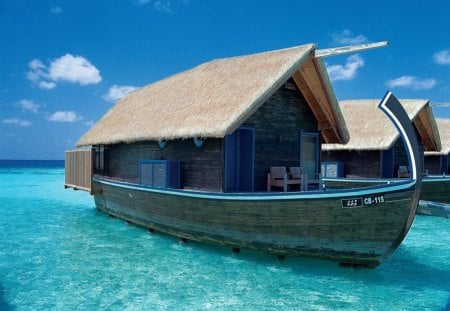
(349, 49)
(423, 126)
(327, 131)
(440, 105)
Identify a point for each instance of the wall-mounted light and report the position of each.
(198, 141)
(162, 144)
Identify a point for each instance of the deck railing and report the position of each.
(79, 169)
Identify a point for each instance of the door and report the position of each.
(387, 163)
(444, 164)
(309, 152)
(239, 160)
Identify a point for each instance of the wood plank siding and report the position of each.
(277, 125)
(433, 164)
(201, 168)
(79, 169)
(356, 163)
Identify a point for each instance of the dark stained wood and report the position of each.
(356, 164)
(434, 189)
(366, 163)
(433, 164)
(316, 226)
(201, 168)
(277, 125)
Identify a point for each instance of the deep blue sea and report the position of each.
(58, 252)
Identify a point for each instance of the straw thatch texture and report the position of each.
(371, 129)
(210, 100)
(443, 126)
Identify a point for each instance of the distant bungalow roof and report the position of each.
(370, 128)
(443, 126)
(215, 98)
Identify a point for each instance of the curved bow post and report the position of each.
(397, 114)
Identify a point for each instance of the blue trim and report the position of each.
(266, 196)
(316, 151)
(362, 180)
(235, 140)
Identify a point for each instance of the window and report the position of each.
(101, 160)
(309, 152)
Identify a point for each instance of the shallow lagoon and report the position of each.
(58, 252)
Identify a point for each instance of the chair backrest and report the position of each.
(278, 171)
(296, 172)
(403, 169)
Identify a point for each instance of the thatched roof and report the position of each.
(215, 98)
(443, 126)
(371, 129)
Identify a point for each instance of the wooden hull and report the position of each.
(434, 188)
(323, 224)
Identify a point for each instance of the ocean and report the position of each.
(58, 252)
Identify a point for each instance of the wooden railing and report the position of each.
(79, 169)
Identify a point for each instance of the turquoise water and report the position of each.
(58, 252)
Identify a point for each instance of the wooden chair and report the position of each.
(278, 177)
(295, 172)
(307, 180)
(403, 172)
(312, 180)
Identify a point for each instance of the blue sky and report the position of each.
(63, 64)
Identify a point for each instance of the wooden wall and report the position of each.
(356, 164)
(433, 164)
(400, 156)
(201, 168)
(277, 125)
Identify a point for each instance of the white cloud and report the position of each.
(16, 121)
(412, 82)
(28, 105)
(346, 37)
(56, 9)
(67, 68)
(347, 71)
(64, 116)
(166, 6)
(75, 69)
(442, 57)
(163, 6)
(116, 92)
(89, 123)
(36, 64)
(46, 85)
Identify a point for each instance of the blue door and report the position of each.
(387, 163)
(309, 152)
(444, 164)
(239, 160)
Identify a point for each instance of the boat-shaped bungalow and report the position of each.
(437, 163)
(375, 153)
(191, 156)
(375, 149)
